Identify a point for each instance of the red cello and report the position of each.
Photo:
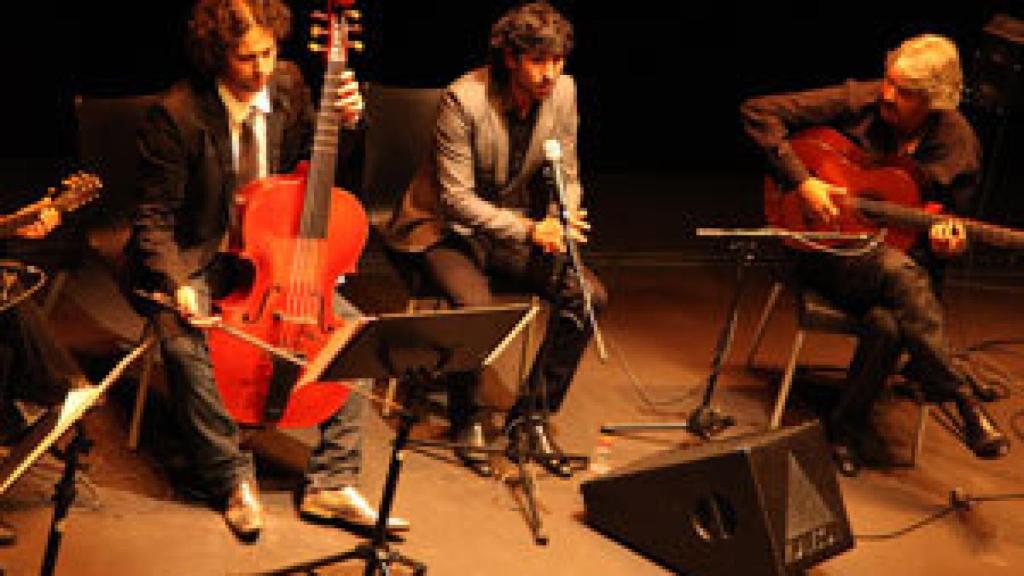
(299, 234)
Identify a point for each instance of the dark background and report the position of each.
(659, 81)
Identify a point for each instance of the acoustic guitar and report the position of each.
(883, 197)
(77, 190)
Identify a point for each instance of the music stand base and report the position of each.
(378, 559)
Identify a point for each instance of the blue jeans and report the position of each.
(212, 435)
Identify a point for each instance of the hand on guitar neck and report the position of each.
(48, 219)
(948, 237)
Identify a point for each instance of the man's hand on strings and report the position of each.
(817, 197)
(549, 233)
(49, 218)
(948, 237)
(349, 104)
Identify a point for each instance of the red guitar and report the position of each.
(880, 194)
(300, 235)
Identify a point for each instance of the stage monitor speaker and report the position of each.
(758, 504)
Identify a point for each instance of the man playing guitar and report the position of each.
(12, 348)
(910, 113)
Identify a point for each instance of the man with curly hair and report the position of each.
(480, 210)
(910, 112)
(192, 159)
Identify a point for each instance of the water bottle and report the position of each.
(600, 461)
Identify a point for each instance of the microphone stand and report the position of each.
(554, 155)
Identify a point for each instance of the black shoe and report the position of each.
(846, 461)
(981, 433)
(548, 453)
(472, 437)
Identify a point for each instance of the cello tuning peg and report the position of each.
(318, 15)
(356, 46)
(317, 47)
(355, 28)
(353, 14)
(316, 30)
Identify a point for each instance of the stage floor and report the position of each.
(661, 329)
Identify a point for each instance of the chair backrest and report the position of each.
(106, 145)
(399, 134)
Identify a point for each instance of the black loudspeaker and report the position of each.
(759, 504)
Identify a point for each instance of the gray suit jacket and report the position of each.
(460, 186)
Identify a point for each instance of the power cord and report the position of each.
(959, 501)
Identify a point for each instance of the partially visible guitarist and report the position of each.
(245, 114)
(911, 112)
(20, 360)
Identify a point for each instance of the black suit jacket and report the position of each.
(186, 178)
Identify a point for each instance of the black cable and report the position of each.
(640, 388)
(958, 501)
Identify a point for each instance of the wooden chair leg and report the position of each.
(53, 292)
(924, 411)
(389, 393)
(762, 323)
(142, 389)
(787, 381)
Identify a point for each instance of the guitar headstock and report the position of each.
(333, 29)
(78, 189)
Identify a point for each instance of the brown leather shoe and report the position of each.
(548, 453)
(471, 437)
(244, 511)
(347, 505)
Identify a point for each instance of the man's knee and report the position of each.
(881, 323)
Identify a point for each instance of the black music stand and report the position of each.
(419, 349)
(46, 431)
(705, 420)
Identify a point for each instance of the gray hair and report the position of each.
(931, 64)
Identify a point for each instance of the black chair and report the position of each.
(107, 128)
(399, 135)
(814, 314)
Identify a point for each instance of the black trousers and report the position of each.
(470, 270)
(897, 303)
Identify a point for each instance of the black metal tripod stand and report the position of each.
(377, 553)
(705, 420)
(63, 497)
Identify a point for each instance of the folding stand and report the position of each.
(46, 431)
(705, 420)
(420, 349)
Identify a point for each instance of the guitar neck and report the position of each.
(10, 223)
(320, 179)
(906, 216)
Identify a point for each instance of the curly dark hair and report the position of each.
(529, 28)
(218, 25)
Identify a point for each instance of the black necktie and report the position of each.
(248, 170)
(248, 154)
